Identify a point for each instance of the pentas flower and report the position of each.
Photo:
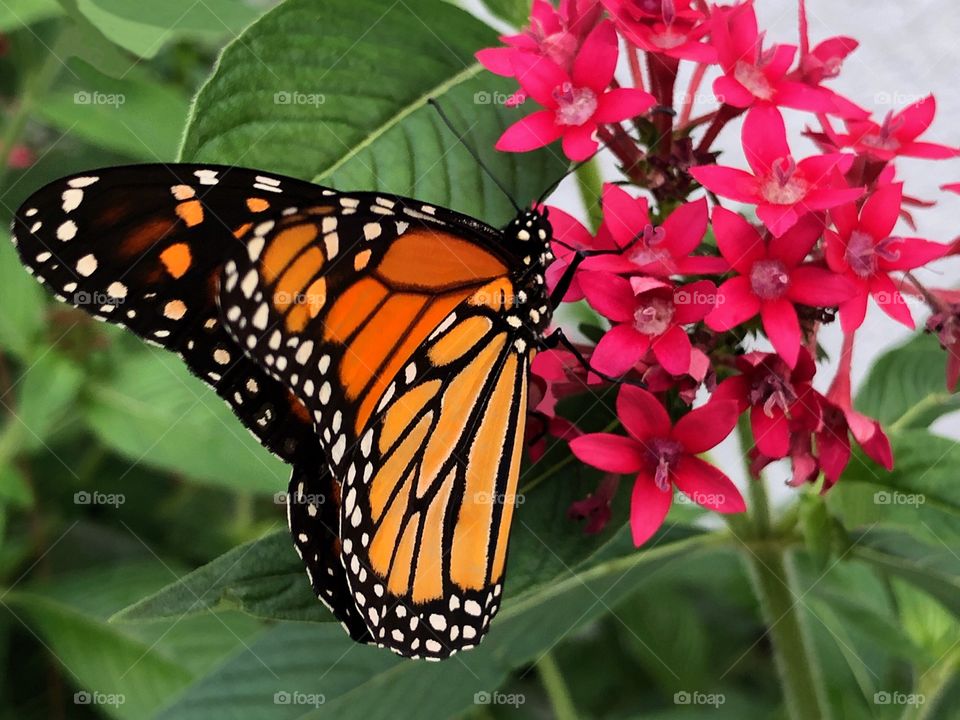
(553, 33)
(569, 236)
(896, 136)
(661, 250)
(575, 102)
(863, 250)
(667, 27)
(648, 314)
(757, 76)
(664, 455)
(770, 389)
(772, 277)
(595, 508)
(782, 188)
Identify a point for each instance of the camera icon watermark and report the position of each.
(686, 697)
(499, 698)
(296, 697)
(486, 97)
(295, 97)
(94, 97)
(886, 497)
(84, 497)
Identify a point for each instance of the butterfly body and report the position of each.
(379, 344)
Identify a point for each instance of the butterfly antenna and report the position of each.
(473, 153)
(566, 173)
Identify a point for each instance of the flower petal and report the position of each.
(609, 452)
(685, 227)
(623, 215)
(914, 119)
(707, 426)
(738, 241)
(693, 302)
(498, 60)
(778, 218)
(913, 253)
(707, 486)
(886, 294)
(818, 287)
(610, 295)
(622, 103)
(672, 350)
(641, 413)
(539, 76)
(532, 132)
(736, 304)
(795, 244)
(727, 181)
(771, 433)
(881, 210)
(782, 326)
(764, 139)
(597, 59)
(854, 311)
(729, 91)
(619, 350)
(649, 506)
(579, 143)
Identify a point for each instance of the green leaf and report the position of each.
(14, 488)
(920, 495)
(22, 301)
(907, 385)
(364, 682)
(337, 92)
(144, 28)
(153, 411)
(46, 392)
(138, 115)
(15, 14)
(515, 12)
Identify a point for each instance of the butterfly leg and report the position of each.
(558, 338)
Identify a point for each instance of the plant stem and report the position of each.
(556, 687)
(591, 188)
(758, 506)
(774, 581)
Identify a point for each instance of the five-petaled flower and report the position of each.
(664, 455)
(783, 189)
(863, 250)
(667, 27)
(577, 102)
(772, 277)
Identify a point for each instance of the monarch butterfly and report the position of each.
(378, 344)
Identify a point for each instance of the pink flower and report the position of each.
(661, 250)
(663, 455)
(951, 187)
(771, 390)
(667, 27)
(569, 235)
(897, 135)
(863, 250)
(556, 34)
(649, 314)
(782, 188)
(576, 102)
(772, 277)
(946, 325)
(595, 508)
(754, 76)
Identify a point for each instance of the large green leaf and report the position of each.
(47, 391)
(907, 385)
(920, 495)
(363, 682)
(153, 411)
(22, 301)
(337, 92)
(138, 115)
(144, 28)
(515, 12)
(15, 14)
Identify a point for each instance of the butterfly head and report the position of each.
(530, 234)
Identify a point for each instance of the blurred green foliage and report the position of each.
(145, 569)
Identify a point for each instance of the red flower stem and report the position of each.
(698, 72)
(725, 114)
(697, 121)
(663, 78)
(622, 146)
(932, 300)
(636, 71)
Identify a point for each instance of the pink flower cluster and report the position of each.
(693, 290)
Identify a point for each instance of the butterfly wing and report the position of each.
(142, 246)
(431, 487)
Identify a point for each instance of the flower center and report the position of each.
(863, 251)
(663, 454)
(769, 279)
(654, 315)
(885, 137)
(647, 246)
(772, 390)
(753, 79)
(784, 186)
(574, 105)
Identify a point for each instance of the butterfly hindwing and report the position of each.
(142, 246)
(431, 485)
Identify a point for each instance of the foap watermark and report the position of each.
(695, 697)
(486, 97)
(296, 697)
(94, 97)
(86, 697)
(95, 299)
(499, 698)
(84, 497)
(886, 497)
(486, 498)
(295, 97)
(699, 498)
(697, 297)
(897, 99)
(282, 498)
(885, 697)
